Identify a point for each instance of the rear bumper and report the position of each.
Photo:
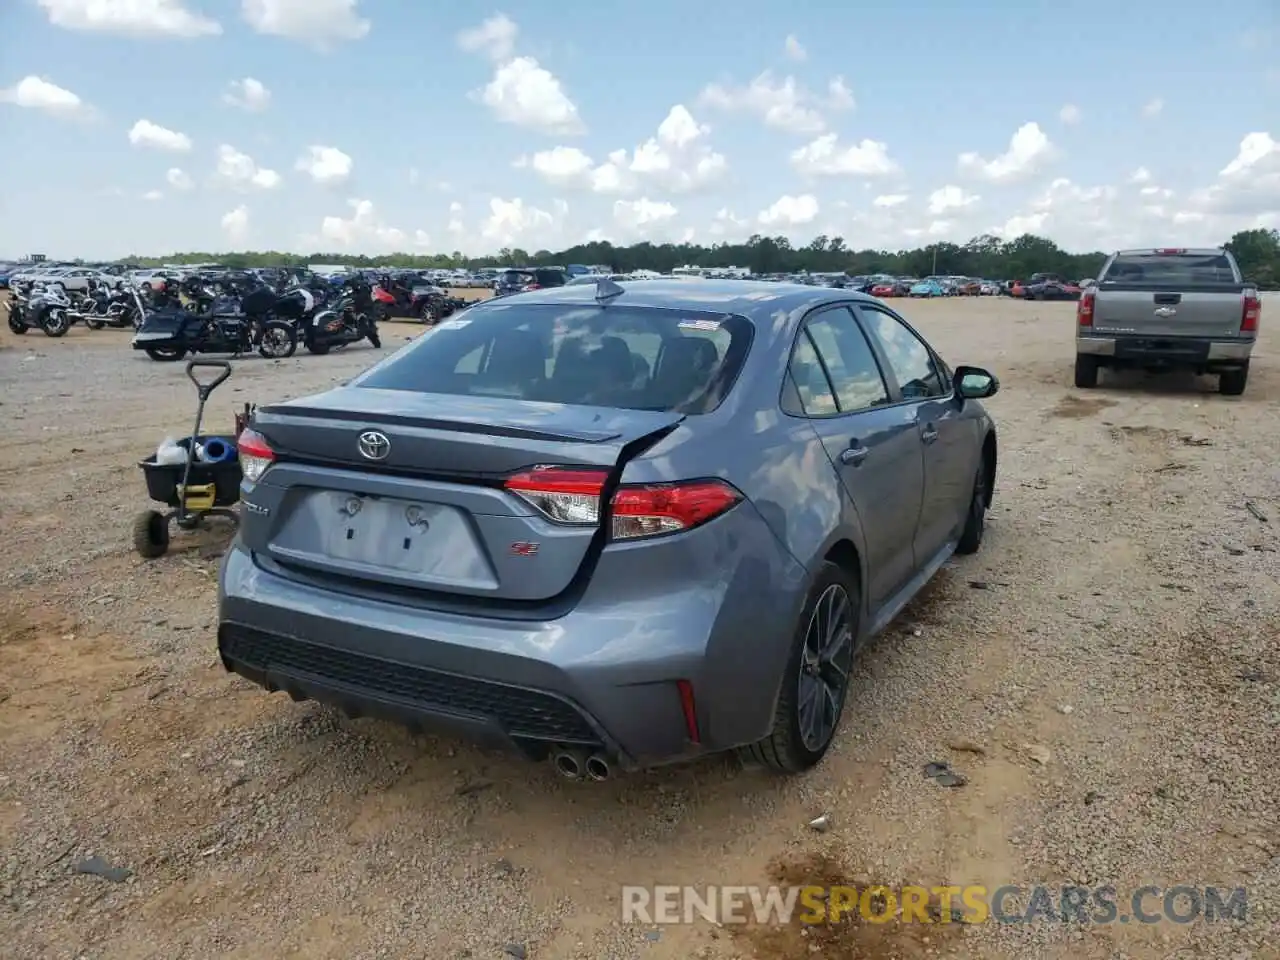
(1172, 351)
(601, 677)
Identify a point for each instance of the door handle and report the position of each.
(929, 433)
(853, 456)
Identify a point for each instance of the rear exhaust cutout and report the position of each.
(570, 764)
(598, 768)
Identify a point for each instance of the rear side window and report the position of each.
(635, 358)
(1171, 268)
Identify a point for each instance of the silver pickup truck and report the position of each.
(1181, 309)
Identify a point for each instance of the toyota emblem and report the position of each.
(374, 445)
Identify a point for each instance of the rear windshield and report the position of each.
(1172, 268)
(635, 358)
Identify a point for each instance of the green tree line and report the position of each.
(986, 256)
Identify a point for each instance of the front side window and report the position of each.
(911, 361)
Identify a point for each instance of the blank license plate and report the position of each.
(392, 534)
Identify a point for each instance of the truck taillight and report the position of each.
(572, 495)
(1084, 310)
(1251, 311)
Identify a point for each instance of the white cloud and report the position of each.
(839, 95)
(889, 200)
(455, 226)
(1141, 175)
(144, 133)
(825, 157)
(677, 159)
(789, 211)
(950, 198)
(238, 170)
(36, 93)
(642, 214)
(130, 18)
(363, 230)
(1153, 108)
(317, 23)
(794, 49)
(525, 94)
(1029, 150)
(513, 223)
(235, 224)
(1248, 186)
(1069, 114)
(327, 166)
(247, 94)
(495, 38)
(780, 103)
(178, 179)
(726, 224)
(153, 195)
(559, 165)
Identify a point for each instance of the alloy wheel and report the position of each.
(824, 667)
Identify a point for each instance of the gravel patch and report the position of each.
(1104, 679)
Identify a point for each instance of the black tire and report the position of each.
(318, 347)
(166, 354)
(278, 341)
(975, 520)
(784, 750)
(1086, 371)
(1231, 383)
(56, 323)
(16, 325)
(94, 322)
(150, 534)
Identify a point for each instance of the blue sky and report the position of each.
(154, 126)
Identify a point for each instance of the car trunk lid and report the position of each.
(423, 507)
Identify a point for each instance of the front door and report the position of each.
(927, 397)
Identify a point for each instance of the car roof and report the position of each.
(747, 298)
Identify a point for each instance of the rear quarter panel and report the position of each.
(777, 461)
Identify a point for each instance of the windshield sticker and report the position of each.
(711, 326)
(452, 324)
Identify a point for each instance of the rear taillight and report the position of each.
(573, 496)
(1171, 251)
(255, 454)
(534, 286)
(1251, 312)
(1084, 310)
(562, 494)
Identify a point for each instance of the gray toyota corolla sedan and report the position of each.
(615, 525)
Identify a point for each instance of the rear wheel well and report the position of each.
(845, 556)
(989, 460)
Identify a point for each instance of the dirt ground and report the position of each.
(1105, 674)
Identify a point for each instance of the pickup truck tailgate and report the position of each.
(1146, 313)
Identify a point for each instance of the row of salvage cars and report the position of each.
(1041, 286)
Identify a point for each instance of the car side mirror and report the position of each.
(974, 383)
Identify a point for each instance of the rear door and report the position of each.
(923, 391)
(1169, 294)
(872, 445)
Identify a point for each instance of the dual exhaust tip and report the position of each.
(580, 765)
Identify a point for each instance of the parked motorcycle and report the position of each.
(121, 307)
(169, 334)
(47, 309)
(349, 320)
